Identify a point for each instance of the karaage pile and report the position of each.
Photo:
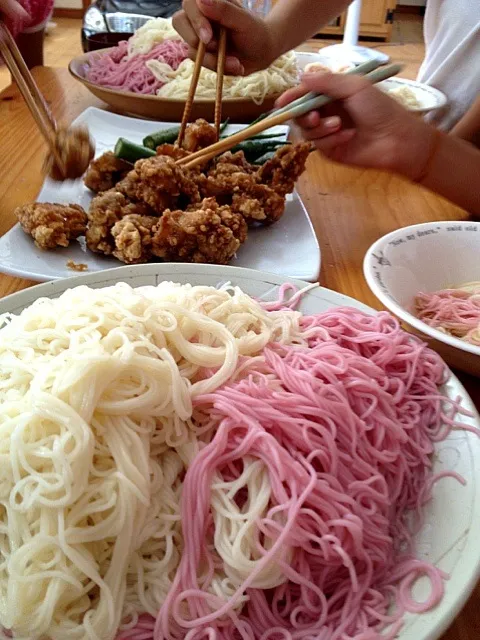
(156, 209)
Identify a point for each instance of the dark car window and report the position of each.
(154, 8)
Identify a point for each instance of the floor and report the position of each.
(61, 45)
(406, 45)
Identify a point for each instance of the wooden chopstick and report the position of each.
(222, 53)
(278, 118)
(364, 68)
(191, 92)
(29, 89)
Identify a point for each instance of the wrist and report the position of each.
(416, 148)
(275, 37)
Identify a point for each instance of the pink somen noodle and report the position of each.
(343, 427)
(115, 70)
(453, 311)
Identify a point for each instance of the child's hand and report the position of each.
(249, 42)
(363, 127)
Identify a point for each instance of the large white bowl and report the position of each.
(450, 531)
(426, 257)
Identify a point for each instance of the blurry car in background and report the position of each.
(106, 22)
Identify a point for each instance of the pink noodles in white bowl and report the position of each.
(417, 273)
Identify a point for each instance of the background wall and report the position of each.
(68, 4)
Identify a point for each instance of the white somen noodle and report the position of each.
(278, 77)
(96, 394)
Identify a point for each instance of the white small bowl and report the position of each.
(429, 99)
(426, 257)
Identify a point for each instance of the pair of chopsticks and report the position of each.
(222, 51)
(29, 90)
(297, 108)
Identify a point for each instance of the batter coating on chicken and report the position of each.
(172, 151)
(105, 210)
(283, 170)
(259, 203)
(254, 201)
(52, 225)
(160, 174)
(133, 188)
(198, 135)
(133, 238)
(210, 234)
(229, 163)
(104, 172)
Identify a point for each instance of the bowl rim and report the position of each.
(390, 303)
(84, 58)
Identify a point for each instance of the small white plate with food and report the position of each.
(166, 418)
(429, 276)
(414, 96)
(288, 247)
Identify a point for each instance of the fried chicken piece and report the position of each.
(229, 163)
(138, 191)
(105, 211)
(259, 203)
(52, 225)
(224, 185)
(198, 135)
(75, 149)
(104, 172)
(283, 170)
(133, 238)
(210, 233)
(255, 202)
(159, 176)
(172, 151)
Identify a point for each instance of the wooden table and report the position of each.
(349, 209)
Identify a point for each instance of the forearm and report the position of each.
(293, 21)
(454, 172)
(468, 127)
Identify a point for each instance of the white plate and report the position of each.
(449, 537)
(288, 248)
(430, 99)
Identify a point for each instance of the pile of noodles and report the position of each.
(455, 311)
(154, 61)
(186, 462)
(115, 69)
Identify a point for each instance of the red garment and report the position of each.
(39, 12)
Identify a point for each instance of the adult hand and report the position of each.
(363, 127)
(250, 45)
